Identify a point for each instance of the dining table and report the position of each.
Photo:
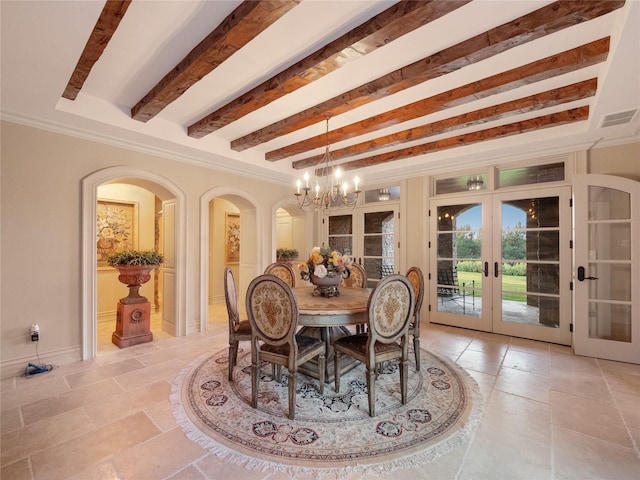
(329, 318)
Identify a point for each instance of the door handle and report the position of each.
(495, 269)
(581, 276)
(486, 269)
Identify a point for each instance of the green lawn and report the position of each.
(511, 284)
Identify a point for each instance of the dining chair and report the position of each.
(357, 278)
(389, 309)
(283, 271)
(414, 274)
(273, 313)
(239, 330)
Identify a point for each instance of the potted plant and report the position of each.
(133, 321)
(286, 254)
(135, 269)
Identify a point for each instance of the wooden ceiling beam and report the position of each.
(248, 20)
(539, 101)
(502, 131)
(541, 22)
(108, 21)
(396, 21)
(579, 57)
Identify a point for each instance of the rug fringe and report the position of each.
(415, 459)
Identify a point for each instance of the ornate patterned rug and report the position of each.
(332, 434)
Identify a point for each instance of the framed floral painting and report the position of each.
(116, 228)
(232, 237)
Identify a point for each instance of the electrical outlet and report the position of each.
(35, 332)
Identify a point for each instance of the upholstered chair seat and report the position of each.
(273, 313)
(389, 311)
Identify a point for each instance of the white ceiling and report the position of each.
(43, 40)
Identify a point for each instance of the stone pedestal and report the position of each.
(133, 324)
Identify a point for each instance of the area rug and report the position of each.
(332, 434)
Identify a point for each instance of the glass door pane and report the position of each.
(341, 233)
(609, 243)
(532, 264)
(459, 265)
(379, 245)
(606, 275)
(530, 245)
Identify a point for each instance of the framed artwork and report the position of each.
(232, 237)
(117, 228)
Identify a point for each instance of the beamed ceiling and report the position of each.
(409, 87)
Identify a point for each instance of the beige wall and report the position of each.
(621, 160)
(41, 249)
(41, 225)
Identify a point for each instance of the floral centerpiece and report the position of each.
(325, 268)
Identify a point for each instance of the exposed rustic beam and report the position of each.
(385, 27)
(579, 57)
(539, 101)
(105, 27)
(546, 20)
(538, 123)
(241, 26)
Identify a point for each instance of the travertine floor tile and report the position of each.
(499, 453)
(74, 456)
(44, 434)
(159, 457)
(78, 397)
(524, 384)
(548, 414)
(574, 455)
(590, 417)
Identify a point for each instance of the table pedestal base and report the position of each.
(328, 334)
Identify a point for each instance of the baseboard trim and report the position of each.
(17, 366)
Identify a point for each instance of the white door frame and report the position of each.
(584, 342)
(164, 189)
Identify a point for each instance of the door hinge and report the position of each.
(323, 221)
(570, 243)
(429, 244)
(429, 212)
(571, 286)
(571, 327)
(429, 275)
(429, 307)
(571, 203)
(398, 215)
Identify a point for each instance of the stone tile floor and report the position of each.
(548, 414)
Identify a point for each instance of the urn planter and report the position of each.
(133, 321)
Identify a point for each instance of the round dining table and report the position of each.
(327, 318)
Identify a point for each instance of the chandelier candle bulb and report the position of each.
(330, 191)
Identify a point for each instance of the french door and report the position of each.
(502, 263)
(607, 278)
(368, 235)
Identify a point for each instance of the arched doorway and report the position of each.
(292, 228)
(220, 209)
(173, 204)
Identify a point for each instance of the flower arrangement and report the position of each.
(325, 262)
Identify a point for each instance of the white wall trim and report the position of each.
(89, 256)
(16, 366)
(248, 202)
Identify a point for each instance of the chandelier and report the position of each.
(327, 191)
